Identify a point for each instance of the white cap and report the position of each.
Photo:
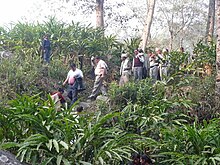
(165, 50)
(157, 49)
(124, 55)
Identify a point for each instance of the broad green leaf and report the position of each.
(101, 160)
(65, 161)
(217, 158)
(47, 161)
(64, 144)
(49, 145)
(109, 154)
(59, 158)
(8, 145)
(56, 145)
(85, 163)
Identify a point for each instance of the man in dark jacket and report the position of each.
(46, 48)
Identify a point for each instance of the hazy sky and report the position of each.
(34, 10)
(14, 10)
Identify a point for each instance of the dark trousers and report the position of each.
(47, 56)
(80, 84)
(72, 93)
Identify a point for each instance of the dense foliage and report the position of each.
(173, 121)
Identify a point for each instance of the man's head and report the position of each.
(136, 52)
(124, 56)
(145, 160)
(46, 36)
(158, 50)
(61, 90)
(79, 109)
(73, 66)
(182, 49)
(140, 50)
(97, 59)
(136, 158)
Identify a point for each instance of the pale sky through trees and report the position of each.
(14, 10)
(125, 21)
(31, 10)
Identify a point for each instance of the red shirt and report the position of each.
(137, 62)
(62, 100)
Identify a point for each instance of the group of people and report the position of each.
(153, 64)
(75, 83)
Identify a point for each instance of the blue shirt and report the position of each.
(46, 44)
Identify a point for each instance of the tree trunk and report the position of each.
(218, 49)
(99, 13)
(171, 40)
(147, 25)
(210, 21)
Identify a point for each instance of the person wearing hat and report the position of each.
(125, 69)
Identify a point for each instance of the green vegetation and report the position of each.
(175, 122)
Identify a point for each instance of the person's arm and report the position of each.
(62, 100)
(67, 78)
(102, 71)
(128, 65)
(132, 67)
(141, 58)
(43, 46)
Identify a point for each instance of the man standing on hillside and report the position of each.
(137, 66)
(100, 74)
(46, 48)
(154, 66)
(125, 69)
(72, 77)
(162, 64)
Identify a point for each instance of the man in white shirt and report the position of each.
(162, 64)
(71, 79)
(125, 69)
(154, 66)
(100, 73)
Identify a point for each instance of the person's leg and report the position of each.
(74, 96)
(135, 73)
(164, 72)
(80, 84)
(140, 73)
(126, 77)
(69, 92)
(47, 56)
(103, 88)
(97, 86)
(74, 93)
(121, 81)
(155, 73)
(144, 73)
(151, 73)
